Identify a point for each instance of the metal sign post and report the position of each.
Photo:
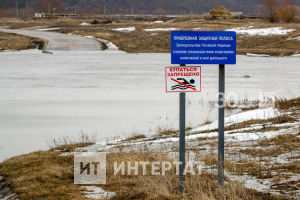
(181, 139)
(221, 125)
(182, 79)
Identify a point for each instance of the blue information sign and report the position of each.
(203, 47)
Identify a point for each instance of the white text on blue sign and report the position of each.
(203, 47)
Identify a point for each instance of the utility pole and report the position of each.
(75, 7)
(132, 7)
(17, 8)
(190, 10)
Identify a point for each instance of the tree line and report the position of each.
(161, 7)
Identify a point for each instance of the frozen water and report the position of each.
(115, 93)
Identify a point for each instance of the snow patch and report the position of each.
(251, 183)
(295, 55)
(127, 30)
(89, 36)
(261, 31)
(98, 147)
(66, 154)
(257, 55)
(109, 44)
(97, 193)
(85, 24)
(48, 29)
(160, 29)
(157, 22)
(294, 38)
(241, 117)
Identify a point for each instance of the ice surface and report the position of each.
(261, 31)
(111, 93)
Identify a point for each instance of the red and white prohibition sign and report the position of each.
(183, 79)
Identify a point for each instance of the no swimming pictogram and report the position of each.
(183, 79)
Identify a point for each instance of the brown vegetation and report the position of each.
(219, 12)
(11, 41)
(283, 104)
(47, 175)
(287, 12)
(140, 41)
(284, 12)
(269, 8)
(134, 137)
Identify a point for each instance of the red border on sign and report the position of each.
(183, 91)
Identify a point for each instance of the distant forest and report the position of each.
(161, 7)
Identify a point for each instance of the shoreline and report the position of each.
(241, 127)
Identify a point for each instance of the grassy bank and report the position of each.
(11, 41)
(47, 175)
(272, 161)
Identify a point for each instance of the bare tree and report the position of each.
(287, 11)
(269, 8)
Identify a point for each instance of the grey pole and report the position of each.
(221, 125)
(181, 139)
(17, 8)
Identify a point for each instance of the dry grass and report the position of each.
(41, 175)
(69, 144)
(11, 41)
(261, 169)
(266, 123)
(169, 132)
(134, 137)
(46, 175)
(140, 41)
(202, 186)
(286, 141)
(284, 104)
